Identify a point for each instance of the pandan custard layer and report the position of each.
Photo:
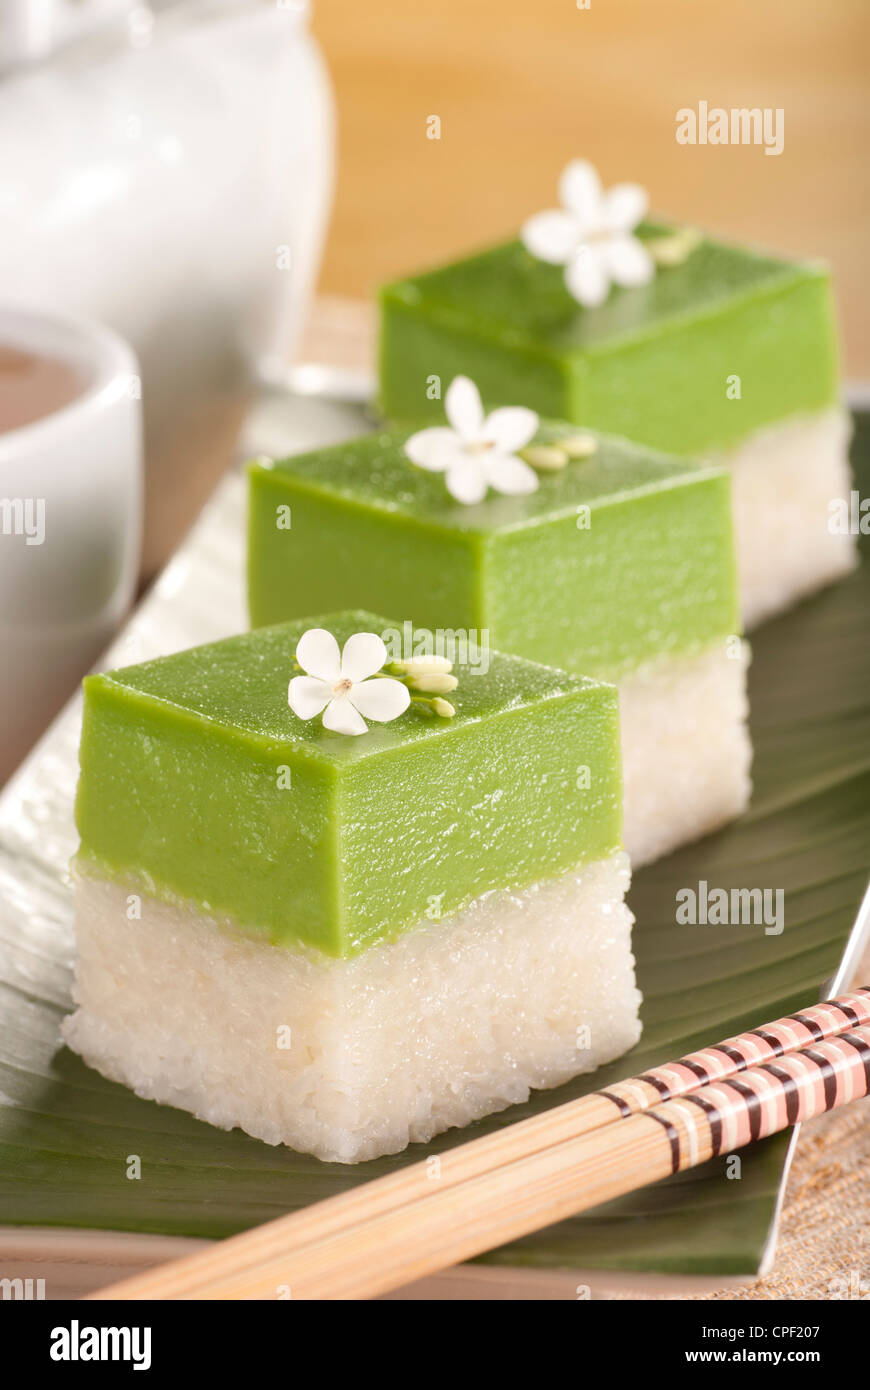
(656, 363)
(198, 781)
(616, 560)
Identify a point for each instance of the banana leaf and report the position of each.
(66, 1134)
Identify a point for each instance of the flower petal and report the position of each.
(382, 698)
(551, 236)
(628, 262)
(625, 204)
(463, 408)
(317, 653)
(307, 696)
(587, 278)
(466, 482)
(510, 427)
(434, 449)
(510, 475)
(341, 717)
(580, 192)
(363, 654)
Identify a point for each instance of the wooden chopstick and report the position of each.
(531, 1174)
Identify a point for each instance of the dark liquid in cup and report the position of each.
(32, 386)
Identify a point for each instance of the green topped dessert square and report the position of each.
(580, 550)
(347, 882)
(618, 558)
(200, 780)
(598, 315)
(652, 362)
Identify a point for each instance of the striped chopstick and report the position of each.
(490, 1191)
(735, 1055)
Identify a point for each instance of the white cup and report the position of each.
(70, 521)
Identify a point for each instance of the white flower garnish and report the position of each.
(477, 452)
(339, 685)
(591, 234)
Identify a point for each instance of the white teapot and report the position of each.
(167, 169)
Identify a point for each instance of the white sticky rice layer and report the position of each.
(685, 748)
(783, 479)
(452, 1021)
